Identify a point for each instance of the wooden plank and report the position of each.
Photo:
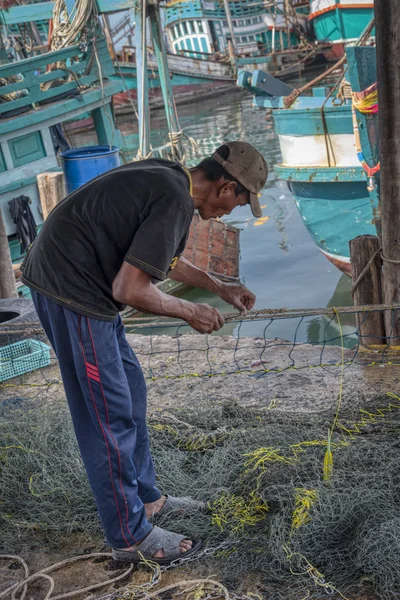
(29, 65)
(63, 109)
(51, 190)
(111, 6)
(38, 95)
(369, 288)
(42, 11)
(13, 87)
(8, 288)
(387, 20)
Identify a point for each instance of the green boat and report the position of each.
(340, 21)
(336, 198)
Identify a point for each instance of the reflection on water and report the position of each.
(279, 261)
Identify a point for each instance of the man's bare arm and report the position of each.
(233, 293)
(186, 273)
(134, 288)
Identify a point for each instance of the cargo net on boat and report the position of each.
(293, 443)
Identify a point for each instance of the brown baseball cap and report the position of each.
(245, 164)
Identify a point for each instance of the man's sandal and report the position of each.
(157, 539)
(180, 505)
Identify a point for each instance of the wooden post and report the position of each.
(51, 190)
(369, 288)
(8, 288)
(387, 23)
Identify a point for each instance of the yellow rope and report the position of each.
(366, 102)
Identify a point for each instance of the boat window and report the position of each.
(200, 26)
(241, 23)
(189, 26)
(248, 21)
(244, 38)
(204, 46)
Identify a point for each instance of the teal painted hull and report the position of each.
(334, 212)
(342, 25)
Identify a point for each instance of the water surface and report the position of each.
(279, 261)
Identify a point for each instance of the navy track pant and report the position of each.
(106, 393)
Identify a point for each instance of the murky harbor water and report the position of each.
(279, 261)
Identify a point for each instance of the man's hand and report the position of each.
(238, 295)
(205, 318)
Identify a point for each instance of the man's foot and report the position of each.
(153, 508)
(161, 546)
(184, 546)
(171, 504)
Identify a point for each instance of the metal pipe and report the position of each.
(142, 77)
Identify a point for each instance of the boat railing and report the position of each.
(43, 79)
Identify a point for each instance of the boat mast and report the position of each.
(230, 25)
(274, 30)
(288, 14)
(142, 78)
(151, 9)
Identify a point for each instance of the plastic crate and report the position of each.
(23, 357)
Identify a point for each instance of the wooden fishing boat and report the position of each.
(40, 93)
(340, 21)
(324, 160)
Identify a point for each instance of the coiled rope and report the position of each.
(171, 147)
(69, 28)
(140, 591)
(22, 586)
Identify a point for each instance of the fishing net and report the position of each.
(295, 448)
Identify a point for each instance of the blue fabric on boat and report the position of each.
(106, 393)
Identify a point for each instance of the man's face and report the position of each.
(222, 200)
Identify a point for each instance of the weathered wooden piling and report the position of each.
(51, 190)
(367, 287)
(387, 20)
(8, 288)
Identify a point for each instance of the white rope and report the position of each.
(22, 585)
(68, 29)
(141, 590)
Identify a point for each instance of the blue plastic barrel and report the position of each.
(80, 165)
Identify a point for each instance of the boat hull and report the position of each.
(333, 201)
(334, 213)
(340, 23)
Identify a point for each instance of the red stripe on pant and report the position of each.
(111, 435)
(106, 442)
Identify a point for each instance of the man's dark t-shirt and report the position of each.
(139, 213)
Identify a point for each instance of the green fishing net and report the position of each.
(293, 512)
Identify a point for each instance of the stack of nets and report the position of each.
(275, 525)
